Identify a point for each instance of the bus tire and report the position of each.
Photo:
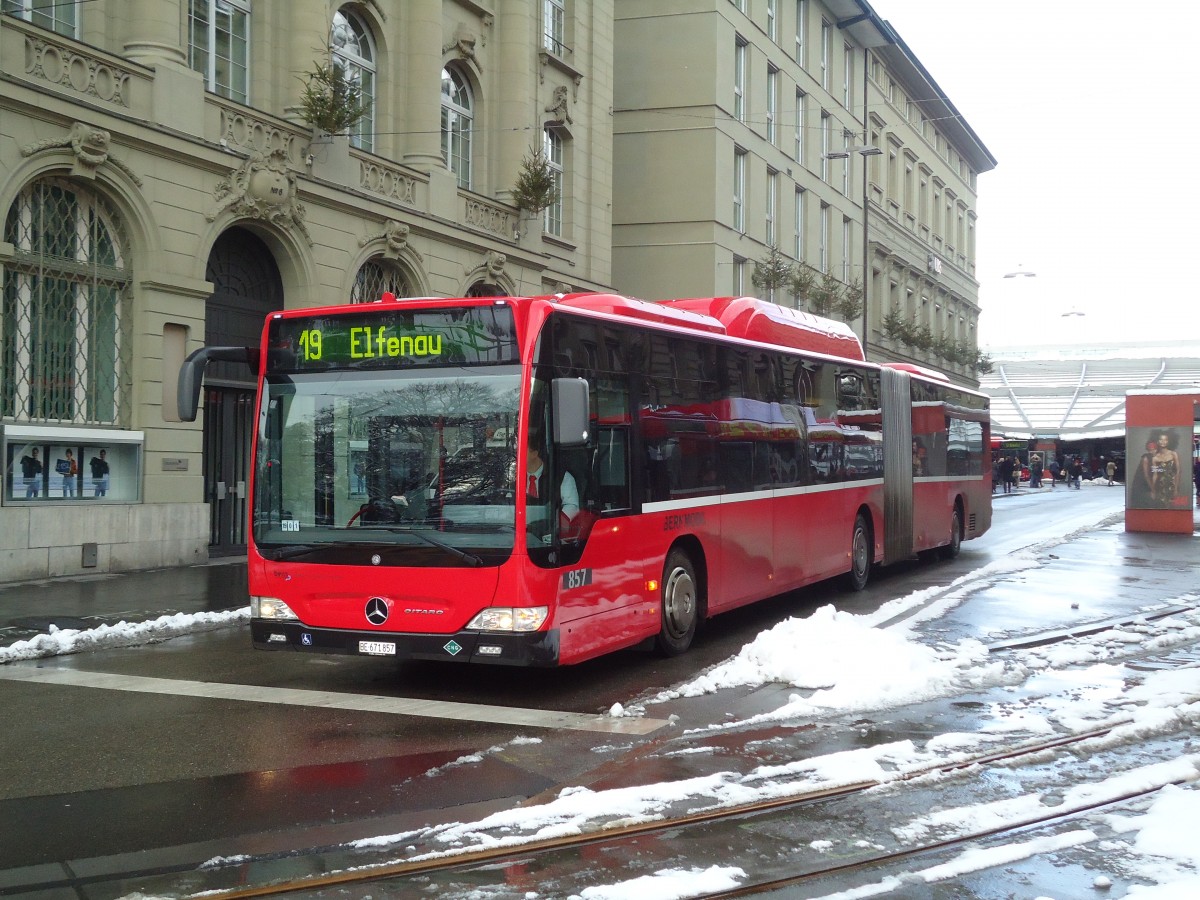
(680, 602)
(860, 555)
(950, 551)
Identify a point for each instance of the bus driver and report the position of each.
(537, 493)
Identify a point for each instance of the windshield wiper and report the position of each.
(291, 551)
(432, 541)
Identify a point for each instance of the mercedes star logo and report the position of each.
(377, 610)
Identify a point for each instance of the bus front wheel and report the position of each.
(860, 555)
(680, 605)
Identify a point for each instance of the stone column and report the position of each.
(308, 24)
(156, 32)
(518, 36)
(423, 111)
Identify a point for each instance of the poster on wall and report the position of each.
(1158, 468)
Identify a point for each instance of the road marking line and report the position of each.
(437, 709)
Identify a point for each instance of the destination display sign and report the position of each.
(393, 338)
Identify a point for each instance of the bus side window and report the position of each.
(612, 469)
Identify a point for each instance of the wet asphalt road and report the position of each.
(115, 779)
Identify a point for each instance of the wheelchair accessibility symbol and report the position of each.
(306, 640)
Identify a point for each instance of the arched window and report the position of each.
(456, 126)
(377, 277)
(65, 291)
(353, 53)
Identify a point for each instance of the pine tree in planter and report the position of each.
(535, 189)
(330, 102)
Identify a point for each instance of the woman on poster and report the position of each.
(1164, 470)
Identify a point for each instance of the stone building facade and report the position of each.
(808, 125)
(160, 189)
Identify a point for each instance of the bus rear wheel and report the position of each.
(950, 551)
(680, 605)
(860, 555)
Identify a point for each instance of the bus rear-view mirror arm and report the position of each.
(191, 375)
(571, 408)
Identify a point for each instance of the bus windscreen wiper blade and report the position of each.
(432, 541)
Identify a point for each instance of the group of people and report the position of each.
(68, 468)
(1007, 473)
(1008, 470)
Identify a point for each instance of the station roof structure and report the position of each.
(1077, 393)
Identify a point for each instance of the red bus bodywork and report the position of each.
(779, 519)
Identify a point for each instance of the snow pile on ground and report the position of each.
(59, 641)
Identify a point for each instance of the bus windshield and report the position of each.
(419, 464)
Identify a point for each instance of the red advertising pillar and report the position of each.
(1158, 461)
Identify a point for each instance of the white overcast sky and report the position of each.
(1087, 108)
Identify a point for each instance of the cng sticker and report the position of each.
(453, 648)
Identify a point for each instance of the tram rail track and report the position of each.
(351, 871)
(439, 862)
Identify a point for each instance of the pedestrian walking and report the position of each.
(1035, 471)
(1055, 469)
(1075, 475)
(1006, 470)
(1110, 470)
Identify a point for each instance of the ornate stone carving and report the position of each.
(62, 66)
(249, 133)
(90, 146)
(263, 187)
(559, 108)
(391, 183)
(488, 217)
(464, 43)
(494, 263)
(395, 240)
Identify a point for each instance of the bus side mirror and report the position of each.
(571, 409)
(191, 376)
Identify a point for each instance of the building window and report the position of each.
(823, 248)
(772, 102)
(553, 148)
(555, 26)
(65, 290)
(847, 76)
(826, 143)
(739, 276)
(456, 126)
(219, 46)
(847, 138)
(826, 38)
(772, 24)
(61, 17)
(800, 127)
(846, 241)
(353, 53)
(801, 12)
(739, 190)
(800, 204)
(771, 205)
(376, 277)
(739, 79)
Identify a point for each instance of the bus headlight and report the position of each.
(270, 608)
(509, 618)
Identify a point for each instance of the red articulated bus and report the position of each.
(541, 480)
